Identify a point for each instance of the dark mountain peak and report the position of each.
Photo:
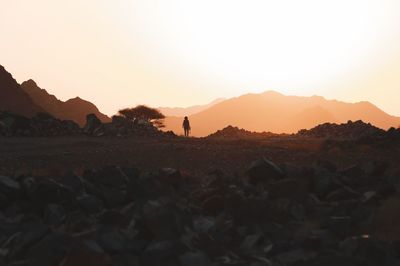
(30, 83)
(6, 76)
(13, 98)
(74, 109)
(77, 100)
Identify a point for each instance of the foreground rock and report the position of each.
(271, 215)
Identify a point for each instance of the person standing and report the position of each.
(186, 126)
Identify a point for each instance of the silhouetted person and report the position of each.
(186, 126)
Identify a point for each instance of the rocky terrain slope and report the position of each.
(74, 109)
(13, 98)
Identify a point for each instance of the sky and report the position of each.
(173, 53)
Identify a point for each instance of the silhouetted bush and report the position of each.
(143, 112)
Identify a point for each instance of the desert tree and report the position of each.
(143, 112)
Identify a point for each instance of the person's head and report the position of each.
(186, 118)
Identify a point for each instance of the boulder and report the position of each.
(194, 259)
(43, 191)
(10, 187)
(263, 171)
(93, 123)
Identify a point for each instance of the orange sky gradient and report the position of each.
(182, 52)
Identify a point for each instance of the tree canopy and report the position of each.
(144, 112)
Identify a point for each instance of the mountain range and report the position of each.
(268, 111)
(28, 99)
(74, 109)
(185, 111)
(278, 113)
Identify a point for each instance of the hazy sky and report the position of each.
(118, 53)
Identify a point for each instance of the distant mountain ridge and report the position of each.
(186, 111)
(28, 99)
(13, 98)
(278, 113)
(74, 109)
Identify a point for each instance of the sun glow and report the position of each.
(287, 45)
(186, 52)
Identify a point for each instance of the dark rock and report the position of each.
(90, 204)
(30, 234)
(171, 176)
(288, 188)
(327, 165)
(92, 124)
(295, 256)
(14, 124)
(112, 197)
(42, 191)
(263, 171)
(194, 259)
(161, 253)
(161, 220)
(125, 260)
(324, 182)
(340, 226)
(51, 249)
(387, 219)
(88, 253)
(204, 224)
(109, 184)
(9, 187)
(54, 214)
(250, 242)
(109, 176)
(72, 182)
(213, 204)
(342, 194)
(113, 241)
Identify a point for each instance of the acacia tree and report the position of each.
(144, 112)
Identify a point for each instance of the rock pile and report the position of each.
(272, 215)
(350, 130)
(231, 132)
(41, 125)
(121, 126)
(45, 125)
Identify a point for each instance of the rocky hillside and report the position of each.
(13, 98)
(349, 130)
(74, 109)
(231, 132)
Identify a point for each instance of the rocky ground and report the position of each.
(234, 198)
(175, 201)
